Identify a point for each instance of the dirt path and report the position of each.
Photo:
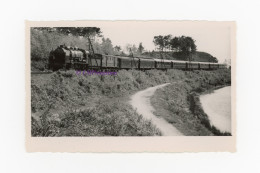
(141, 102)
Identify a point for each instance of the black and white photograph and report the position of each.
(131, 79)
(130, 86)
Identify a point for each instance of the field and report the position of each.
(66, 104)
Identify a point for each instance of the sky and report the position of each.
(211, 37)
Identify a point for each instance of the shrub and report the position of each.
(63, 89)
(116, 119)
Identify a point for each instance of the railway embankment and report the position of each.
(66, 104)
(179, 103)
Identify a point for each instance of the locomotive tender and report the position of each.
(65, 57)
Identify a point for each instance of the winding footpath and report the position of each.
(141, 102)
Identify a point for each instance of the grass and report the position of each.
(116, 119)
(66, 92)
(171, 103)
(183, 108)
(62, 102)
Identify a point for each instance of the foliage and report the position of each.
(132, 49)
(183, 107)
(43, 40)
(162, 41)
(140, 48)
(66, 90)
(183, 44)
(59, 92)
(115, 119)
(117, 50)
(76, 31)
(107, 47)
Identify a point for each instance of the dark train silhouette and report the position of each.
(65, 57)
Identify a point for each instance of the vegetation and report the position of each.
(140, 48)
(115, 119)
(179, 48)
(196, 56)
(64, 97)
(183, 107)
(43, 40)
(62, 102)
(177, 44)
(67, 92)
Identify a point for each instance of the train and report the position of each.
(65, 57)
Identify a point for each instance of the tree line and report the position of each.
(44, 39)
(91, 34)
(182, 44)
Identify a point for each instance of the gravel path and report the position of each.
(141, 102)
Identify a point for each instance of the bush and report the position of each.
(183, 102)
(116, 119)
(63, 89)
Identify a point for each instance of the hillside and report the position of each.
(197, 56)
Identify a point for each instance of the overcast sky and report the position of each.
(211, 37)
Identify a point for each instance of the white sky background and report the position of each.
(213, 38)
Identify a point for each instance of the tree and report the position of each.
(117, 48)
(162, 42)
(132, 49)
(140, 48)
(187, 44)
(106, 46)
(166, 40)
(183, 44)
(89, 32)
(80, 31)
(159, 41)
(175, 44)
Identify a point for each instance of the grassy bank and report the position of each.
(116, 119)
(58, 97)
(62, 103)
(179, 102)
(196, 109)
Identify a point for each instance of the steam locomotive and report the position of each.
(65, 57)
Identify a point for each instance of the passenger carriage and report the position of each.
(109, 62)
(163, 64)
(147, 64)
(179, 64)
(128, 63)
(65, 57)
